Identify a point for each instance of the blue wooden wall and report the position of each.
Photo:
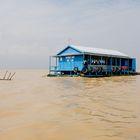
(68, 63)
(134, 64)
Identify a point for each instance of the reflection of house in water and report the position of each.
(77, 60)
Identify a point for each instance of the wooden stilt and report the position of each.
(9, 76)
(12, 76)
(5, 74)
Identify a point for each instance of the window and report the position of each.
(70, 58)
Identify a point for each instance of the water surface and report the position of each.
(33, 107)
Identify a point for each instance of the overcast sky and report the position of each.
(31, 30)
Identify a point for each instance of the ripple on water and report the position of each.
(70, 108)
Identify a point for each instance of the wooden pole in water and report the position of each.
(12, 76)
(9, 76)
(5, 74)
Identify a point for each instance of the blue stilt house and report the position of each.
(85, 61)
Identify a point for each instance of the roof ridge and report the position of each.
(92, 47)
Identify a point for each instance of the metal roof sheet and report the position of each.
(99, 51)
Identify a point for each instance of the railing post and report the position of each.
(49, 64)
(120, 66)
(101, 60)
(128, 65)
(115, 61)
(56, 63)
(90, 59)
(111, 64)
(83, 59)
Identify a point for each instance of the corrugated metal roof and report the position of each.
(99, 51)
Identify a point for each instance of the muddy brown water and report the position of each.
(50, 108)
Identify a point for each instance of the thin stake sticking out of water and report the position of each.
(12, 76)
(5, 75)
(9, 77)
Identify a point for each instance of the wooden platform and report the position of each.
(90, 76)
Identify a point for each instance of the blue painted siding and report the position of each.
(67, 63)
(134, 64)
(69, 51)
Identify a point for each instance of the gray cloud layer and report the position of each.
(31, 30)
